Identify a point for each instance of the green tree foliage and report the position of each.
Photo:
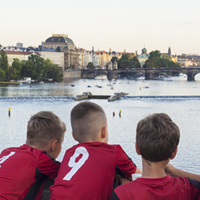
(155, 61)
(128, 61)
(3, 60)
(166, 56)
(90, 65)
(54, 73)
(136, 63)
(154, 54)
(114, 59)
(2, 75)
(15, 70)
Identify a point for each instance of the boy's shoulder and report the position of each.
(95, 145)
(23, 149)
(144, 186)
(26, 153)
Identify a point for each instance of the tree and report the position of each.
(136, 63)
(114, 59)
(128, 61)
(90, 65)
(155, 61)
(55, 73)
(3, 60)
(154, 54)
(37, 65)
(2, 74)
(124, 61)
(15, 70)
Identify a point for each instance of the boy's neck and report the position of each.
(153, 169)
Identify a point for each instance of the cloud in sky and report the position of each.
(115, 24)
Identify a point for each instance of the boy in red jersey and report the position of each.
(24, 169)
(156, 141)
(87, 171)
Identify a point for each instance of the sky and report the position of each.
(107, 24)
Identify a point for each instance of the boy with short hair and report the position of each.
(87, 171)
(24, 169)
(157, 138)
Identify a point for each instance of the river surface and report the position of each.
(175, 96)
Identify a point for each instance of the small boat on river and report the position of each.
(116, 96)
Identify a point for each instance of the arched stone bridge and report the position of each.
(149, 73)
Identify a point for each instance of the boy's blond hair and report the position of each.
(43, 127)
(87, 119)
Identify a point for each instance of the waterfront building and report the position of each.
(19, 55)
(185, 62)
(110, 66)
(81, 58)
(56, 57)
(174, 58)
(62, 43)
(115, 65)
(143, 57)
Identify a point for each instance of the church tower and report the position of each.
(169, 51)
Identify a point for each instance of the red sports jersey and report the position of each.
(23, 171)
(180, 188)
(88, 171)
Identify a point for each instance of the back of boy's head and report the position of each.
(157, 137)
(43, 127)
(87, 119)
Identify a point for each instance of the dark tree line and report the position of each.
(35, 67)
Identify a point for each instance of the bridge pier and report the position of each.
(148, 75)
(110, 75)
(190, 76)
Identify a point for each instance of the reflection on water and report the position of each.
(184, 111)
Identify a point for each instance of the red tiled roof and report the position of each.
(21, 53)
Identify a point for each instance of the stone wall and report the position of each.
(72, 74)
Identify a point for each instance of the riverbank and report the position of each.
(9, 83)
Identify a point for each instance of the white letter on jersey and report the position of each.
(3, 159)
(76, 165)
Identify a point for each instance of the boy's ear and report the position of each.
(137, 148)
(54, 145)
(103, 132)
(174, 153)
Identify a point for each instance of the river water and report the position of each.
(175, 96)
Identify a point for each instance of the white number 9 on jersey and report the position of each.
(76, 165)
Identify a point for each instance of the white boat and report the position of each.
(116, 96)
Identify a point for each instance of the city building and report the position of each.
(143, 57)
(19, 55)
(62, 43)
(56, 58)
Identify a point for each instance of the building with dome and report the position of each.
(143, 57)
(62, 43)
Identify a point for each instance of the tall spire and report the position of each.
(169, 51)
